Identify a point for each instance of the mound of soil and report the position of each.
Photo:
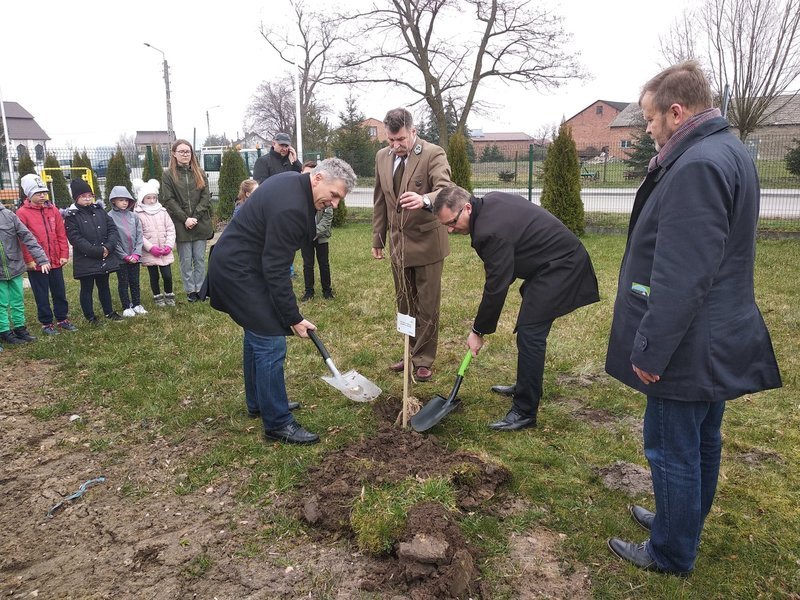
(626, 477)
(432, 559)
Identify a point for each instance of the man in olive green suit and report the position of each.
(408, 175)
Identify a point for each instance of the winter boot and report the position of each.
(159, 300)
(23, 334)
(169, 299)
(8, 337)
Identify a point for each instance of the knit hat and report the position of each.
(145, 188)
(120, 191)
(78, 187)
(31, 184)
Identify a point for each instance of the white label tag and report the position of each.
(406, 324)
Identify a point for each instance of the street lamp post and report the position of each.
(170, 130)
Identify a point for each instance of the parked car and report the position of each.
(101, 168)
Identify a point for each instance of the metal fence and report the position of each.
(608, 180)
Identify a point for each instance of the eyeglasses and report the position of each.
(183, 151)
(452, 222)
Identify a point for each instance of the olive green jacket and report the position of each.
(182, 200)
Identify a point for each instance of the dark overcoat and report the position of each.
(272, 163)
(248, 271)
(89, 230)
(685, 307)
(517, 239)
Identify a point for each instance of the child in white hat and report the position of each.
(158, 240)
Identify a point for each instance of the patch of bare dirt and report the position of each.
(537, 570)
(626, 477)
(756, 457)
(592, 416)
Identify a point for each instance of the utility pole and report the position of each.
(170, 130)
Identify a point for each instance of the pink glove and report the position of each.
(166, 251)
(135, 258)
(156, 251)
(127, 258)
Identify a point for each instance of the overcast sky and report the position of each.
(82, 69)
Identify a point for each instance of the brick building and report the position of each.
(510, 144)
(376, 129)
(591, 128)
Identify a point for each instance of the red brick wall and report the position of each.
(592, 129)
(379, 126)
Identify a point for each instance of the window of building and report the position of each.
(626, 144)
(39, 151)
(373, 132)
(598, 109)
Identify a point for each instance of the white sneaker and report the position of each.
(128, 312)
(139, 310)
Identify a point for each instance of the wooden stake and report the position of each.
(406, 367)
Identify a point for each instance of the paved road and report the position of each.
(774, 202)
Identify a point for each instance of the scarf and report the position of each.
(681, 134)
(151, 209)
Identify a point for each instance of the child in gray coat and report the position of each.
(129, 250)
(12, 266)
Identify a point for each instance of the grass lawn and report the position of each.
(181, 370)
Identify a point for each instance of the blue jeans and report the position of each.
(682, 443)
(192, 258)
(264, 384)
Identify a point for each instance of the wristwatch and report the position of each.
(426, 202)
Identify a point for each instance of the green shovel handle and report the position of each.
(465, 363)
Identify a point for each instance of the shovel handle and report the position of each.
(465, 363)
(461, 370)
(318, 343)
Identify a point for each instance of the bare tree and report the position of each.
(432, 49)
(753, 46)
(679, 43)
(271, 109)
(311, 41)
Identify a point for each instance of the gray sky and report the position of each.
(82, 69)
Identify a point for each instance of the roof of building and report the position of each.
(783, 110)
(631, 116)
(21, 124)
(152, 137)
(616, 105)
(511, 136)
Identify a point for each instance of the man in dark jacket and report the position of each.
(516, 239)
(686, 329)
(248, 278)
(280, 158)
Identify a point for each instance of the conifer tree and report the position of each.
(561, 190)
(85, 162)
(118, 173)
(352, 143)
(459, 161)
(62, 196)
(232, 172)
(793, 159)
(339, 214)
(158, 170)
(76, 164)
(24, 167)
(643, 149)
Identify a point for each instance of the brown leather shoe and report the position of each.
(423, 374)
(398, 366)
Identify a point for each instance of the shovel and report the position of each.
(439, 406)
(352, 384)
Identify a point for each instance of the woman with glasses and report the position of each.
(188, 202)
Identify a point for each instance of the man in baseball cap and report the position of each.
(281, 157)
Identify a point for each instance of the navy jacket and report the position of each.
(685, 307)
(248, 271)
(89, 230)
(517, 239)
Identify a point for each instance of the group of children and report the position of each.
(35, 240)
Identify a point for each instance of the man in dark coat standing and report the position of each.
(686, 329)
(248, 278)
(517, 239)
(280, 158)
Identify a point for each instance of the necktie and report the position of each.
(398, 177)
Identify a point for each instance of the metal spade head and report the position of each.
(354, 385)
(434, 411)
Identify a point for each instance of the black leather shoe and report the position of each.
(504, 390)
(23, 334)
(254, 414)
(8, 337)
(307, 296)
(642, 516)
(293, 433)
(328, 294)
(638, 556)
(513, 421)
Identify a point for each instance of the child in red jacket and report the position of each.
(44, 221)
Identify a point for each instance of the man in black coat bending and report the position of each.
(280, 158)
(517, 239)
(248, 278)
